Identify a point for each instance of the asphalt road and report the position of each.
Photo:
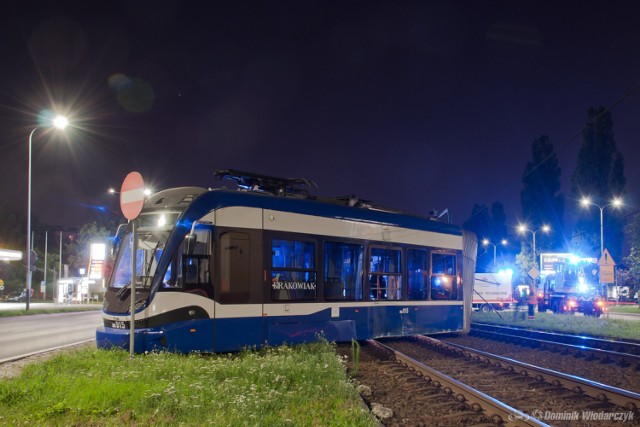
(23, 335)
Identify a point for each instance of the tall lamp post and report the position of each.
(59, 122)
(616, 203)
(523, 229)
(486, 242)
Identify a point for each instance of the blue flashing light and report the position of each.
(582, 285)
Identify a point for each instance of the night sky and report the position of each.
(415, 105)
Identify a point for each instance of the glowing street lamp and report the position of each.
(522, 228)
(486, 242)
(616, 203)
(147, 191)
(59, 122)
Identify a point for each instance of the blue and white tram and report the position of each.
(219, 270)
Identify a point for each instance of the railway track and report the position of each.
(623, 353)
(506, 392)
(619, 346)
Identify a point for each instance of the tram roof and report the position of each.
(201, 201)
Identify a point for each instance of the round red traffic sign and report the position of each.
(132, 196)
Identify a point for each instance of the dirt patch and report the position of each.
(14, 368)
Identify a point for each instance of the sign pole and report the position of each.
(607, 274)
(46, 242)
(131, 203)
(132, 328)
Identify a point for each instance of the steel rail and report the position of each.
(499, 412)
(629, 346)
(602, 392)
(623, 359)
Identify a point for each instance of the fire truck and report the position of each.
(570, 284)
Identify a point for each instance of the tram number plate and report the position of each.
(118, 325)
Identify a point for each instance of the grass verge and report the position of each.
(284, 386)
(32, 311)
(569, 323)
(627, 308)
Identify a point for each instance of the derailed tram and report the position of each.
(220, 270)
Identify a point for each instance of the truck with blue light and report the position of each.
(569, 284)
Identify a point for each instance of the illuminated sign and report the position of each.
(96, 262)
(8, 255)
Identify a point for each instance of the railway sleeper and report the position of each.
(428, 391)
(439, 398)
(466, 417)
(450, 405)
(596, 405)
(577, 396)
(624, 364)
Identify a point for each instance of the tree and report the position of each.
(78, 249)
(599, 174)
(540, 199)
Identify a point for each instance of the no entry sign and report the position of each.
(132, 196)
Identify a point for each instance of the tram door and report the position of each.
(237, 323)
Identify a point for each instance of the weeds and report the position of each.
(301, 385)
(355, 357)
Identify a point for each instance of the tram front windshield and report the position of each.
(148, 253)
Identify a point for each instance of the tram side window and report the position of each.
(195, 265)
(190, 271)
(417, 275)
(443, 276)
(343, 271)
(385, 279)
(234, 268)
(293, 270)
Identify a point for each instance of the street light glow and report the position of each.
(147, 191)
(522, 228)
(616, 203)
(60, 122)
(486, 242)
